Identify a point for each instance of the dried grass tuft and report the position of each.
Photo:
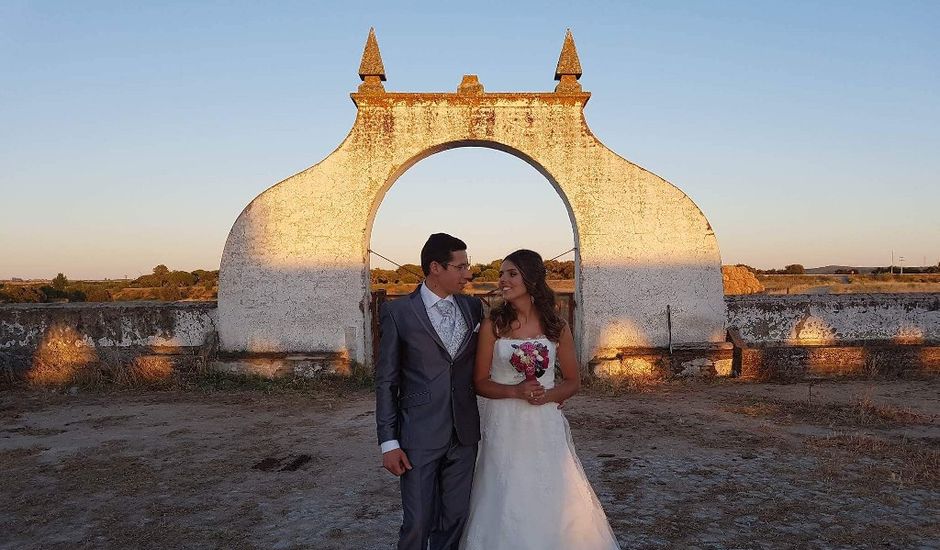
(904, 461)
(861, 411)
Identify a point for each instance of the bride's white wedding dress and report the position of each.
(529, 490)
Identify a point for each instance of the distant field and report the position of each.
(773, 284)
(112, 291)
(564, 286)
(849, 284)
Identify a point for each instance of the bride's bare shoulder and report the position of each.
(488, 327)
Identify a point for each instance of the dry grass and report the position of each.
(115, 372)
(861, 411)
(904, 461)
(110, 371)
(61, 356)
(64, 358)
(850, 284)
(197, 292)
(616, 385)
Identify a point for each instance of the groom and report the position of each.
(425, 406)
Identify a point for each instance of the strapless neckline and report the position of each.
(539, 337)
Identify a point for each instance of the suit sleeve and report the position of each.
(387, 377)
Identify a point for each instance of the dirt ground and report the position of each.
(680, 465)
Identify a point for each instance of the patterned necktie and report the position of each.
(445, 328)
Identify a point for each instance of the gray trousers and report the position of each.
(435, 496)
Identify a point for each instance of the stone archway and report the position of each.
(294, 272)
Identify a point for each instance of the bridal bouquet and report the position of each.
(530, 358)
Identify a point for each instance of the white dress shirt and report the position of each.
(434, 314)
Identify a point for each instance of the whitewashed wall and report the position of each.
(294, 272)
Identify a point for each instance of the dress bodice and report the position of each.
(503, 372)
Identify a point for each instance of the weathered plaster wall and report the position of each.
(113, 324)
(294, 273)
(798, 334)
(807, 319)
(27, 328)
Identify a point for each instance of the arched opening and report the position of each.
(494, 198)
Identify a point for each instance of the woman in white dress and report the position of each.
(529, 489)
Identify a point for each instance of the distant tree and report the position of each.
(60, 282)
(21, 295)
(559, 270)
(96, 294)
(490, 274)
(180, 278)
(205, 278)
(410, 273)
(149, 281)
(384, 276)
(794, 269)
(169, 294)
(409, 279)
(161, 270)
(75, 296)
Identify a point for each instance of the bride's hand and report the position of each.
(530, 390)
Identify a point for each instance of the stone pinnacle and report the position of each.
(568, 70)
(371, 69)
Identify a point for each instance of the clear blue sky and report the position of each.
(134, 134)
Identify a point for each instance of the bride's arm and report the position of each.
(570, 372)
(481, 370)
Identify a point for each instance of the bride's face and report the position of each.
(510, 281)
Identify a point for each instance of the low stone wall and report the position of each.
(794, 336)
(781, 336)
(65, 337)
(807, 319)
(703, 360)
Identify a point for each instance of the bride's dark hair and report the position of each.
(532, 270)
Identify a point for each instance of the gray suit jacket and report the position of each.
(422, 395)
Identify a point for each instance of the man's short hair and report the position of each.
(438, 249)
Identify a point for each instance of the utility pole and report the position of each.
(892, 263)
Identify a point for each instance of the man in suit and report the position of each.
(425, 406)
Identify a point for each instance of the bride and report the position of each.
(529, 490)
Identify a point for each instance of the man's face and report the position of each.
(454, 274)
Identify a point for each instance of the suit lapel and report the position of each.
(421, 312)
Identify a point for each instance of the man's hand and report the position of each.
(396, 462)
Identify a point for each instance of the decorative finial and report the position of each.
(568, 70)
(371, 69)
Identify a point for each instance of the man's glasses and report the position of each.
(461, 267)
